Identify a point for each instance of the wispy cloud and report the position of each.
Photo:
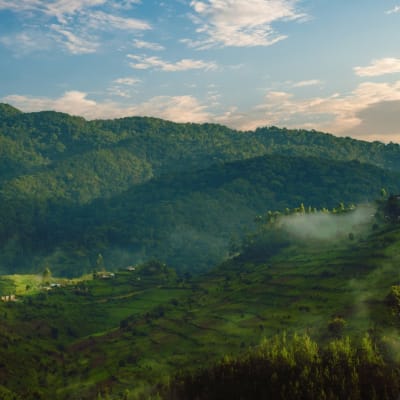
(104, 21)
(240, 23)
(141, 44)
(75, 44)
(126, 81)
(74, 24)
(174, 108)
(379, 67)
(125, 4)
(122, 87)
(394, 10)
(59, 9)
(144, 62)
(27, 42)
(311, 82)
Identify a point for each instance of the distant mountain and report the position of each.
(169, 147)
(138, 188)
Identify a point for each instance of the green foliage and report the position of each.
(46, 274)
(126, 336)
(393, 298)
(336, 326)
(6, 394)
(295, 368)
(392, 208)
(138, 188)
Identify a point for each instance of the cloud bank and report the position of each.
(173, 108)
(379, 67)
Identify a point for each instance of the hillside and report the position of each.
(119, 336)
(139, 188)
(49, 137)
(188, 220)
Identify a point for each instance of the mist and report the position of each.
(327, 227)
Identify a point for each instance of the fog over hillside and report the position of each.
(326, 226)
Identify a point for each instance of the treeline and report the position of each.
(45, 138)
(296, 368)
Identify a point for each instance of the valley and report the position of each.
(140, 257)
(120, 335)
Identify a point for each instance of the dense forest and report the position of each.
(139, 188)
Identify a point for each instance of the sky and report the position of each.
(328, 65)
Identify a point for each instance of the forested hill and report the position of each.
(138, 188)
(189, 220)
(46, 138)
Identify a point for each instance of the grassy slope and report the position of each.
(129, 333)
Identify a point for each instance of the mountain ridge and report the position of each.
(156, 174)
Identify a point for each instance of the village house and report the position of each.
(8, 298)
(107, 275)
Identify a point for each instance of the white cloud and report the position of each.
(102, 20)
(126, 81)
(141, 44)
(312, 82)
(63, 10)
(56, 8)
(174, 108)
(338, 114)
(73, 102)
(27, 42)
(123, 87)
(379, 67)
(119, 92)
(241, 23)
(143, 62)
(74, 43)
(125, 4)
(75, 24)
(394, 10)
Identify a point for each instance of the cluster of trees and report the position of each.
(296, 368)
(270, 218)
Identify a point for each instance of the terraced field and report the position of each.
(124, 335)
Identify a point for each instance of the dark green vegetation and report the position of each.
(134, 189)
(93, 198)
(123, 336)
(296, 369)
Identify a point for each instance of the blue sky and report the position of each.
(317, 64)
